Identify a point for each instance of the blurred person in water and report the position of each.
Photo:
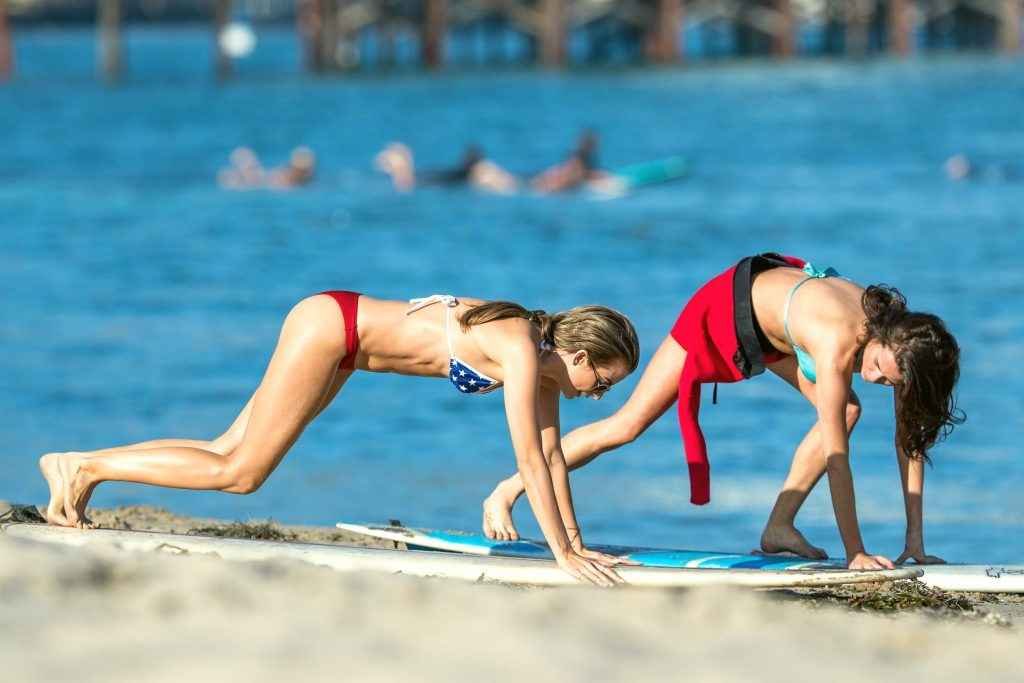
(475, 170)
(246, 171)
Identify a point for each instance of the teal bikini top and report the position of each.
(803, 358)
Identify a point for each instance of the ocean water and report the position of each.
(142, 301)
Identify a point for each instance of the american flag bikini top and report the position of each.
(462, 375)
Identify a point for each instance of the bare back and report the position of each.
(393, 340)
(826, 312)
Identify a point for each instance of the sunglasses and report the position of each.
(601, 386)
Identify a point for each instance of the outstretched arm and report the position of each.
(912, 480)
(551, 442)
(653, 395)
(522, 392)
(552, 447)
(833, 388)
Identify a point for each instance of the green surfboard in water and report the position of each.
(627, 178)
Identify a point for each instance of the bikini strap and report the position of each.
(449, 301)
(813, 273)
(785, 312)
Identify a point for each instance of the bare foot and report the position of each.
(498, 522)
(778, 539)
(51, 472)
(77, 490)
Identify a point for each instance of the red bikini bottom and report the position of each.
(348, 302)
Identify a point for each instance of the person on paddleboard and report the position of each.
(474, 169)
(815, 330)
(479, 346)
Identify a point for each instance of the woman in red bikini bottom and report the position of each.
(479, 346)
(815, 330)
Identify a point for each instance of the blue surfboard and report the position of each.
(478, 544)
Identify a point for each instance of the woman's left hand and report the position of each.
(918, 555)
(604, 558)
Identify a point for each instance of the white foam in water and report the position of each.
(237, 40)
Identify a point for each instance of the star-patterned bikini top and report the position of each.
(462, 375)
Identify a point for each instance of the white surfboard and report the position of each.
(956, 577)
(981, 578)
(474, 568)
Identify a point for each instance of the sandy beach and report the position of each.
(105, 615)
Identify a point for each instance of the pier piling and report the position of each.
(784, 36)
(898, 27)
(432, 33)
(110, 39)
(858, 26)
(1009, 26)
(663, 42)
(221, 15)
(6, 50)
(553, 32)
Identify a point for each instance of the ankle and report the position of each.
(508, 491)
(775, 526)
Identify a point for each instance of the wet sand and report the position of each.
(103, 615)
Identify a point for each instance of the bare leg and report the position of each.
(223, 445)
(301, 379)
(780, 533)
(656, 391)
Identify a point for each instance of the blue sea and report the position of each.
(140, 300)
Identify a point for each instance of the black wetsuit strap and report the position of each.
(749, 357)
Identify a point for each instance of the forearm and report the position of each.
(563, 496)
(540, 491)
(840, 482)
(912, 480)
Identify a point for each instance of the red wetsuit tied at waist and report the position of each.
(709, 330)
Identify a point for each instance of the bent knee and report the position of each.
(245, 484)
(626, 429)
(244, 480)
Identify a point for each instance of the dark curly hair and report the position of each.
(929, 361)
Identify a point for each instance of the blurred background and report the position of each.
(175, 175)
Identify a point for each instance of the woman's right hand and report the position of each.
(864, 561)
(586, 570)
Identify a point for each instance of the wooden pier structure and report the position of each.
(655, 30)
(342, 35)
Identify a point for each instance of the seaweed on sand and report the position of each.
(253, 531)
(898, 596)
(22, 514)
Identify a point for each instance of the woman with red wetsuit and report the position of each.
(815, 330)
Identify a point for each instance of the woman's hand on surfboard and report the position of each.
(918, 556)
(604, 558)
(864, 561)
(587, 570)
